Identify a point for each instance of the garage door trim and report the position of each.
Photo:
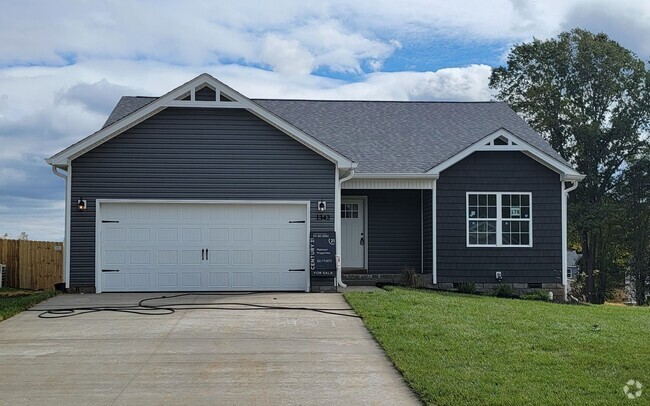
(98, 223)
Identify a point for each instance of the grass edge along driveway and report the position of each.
(465, 349)
(14, 301)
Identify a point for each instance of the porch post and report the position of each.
(434, 254)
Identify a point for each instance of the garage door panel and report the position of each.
(114, 281)
(158, 247)
(242, 280)
(218, 279)
(167, 257)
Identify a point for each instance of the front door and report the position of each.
(353, 238)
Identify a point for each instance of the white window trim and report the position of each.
(498, 219)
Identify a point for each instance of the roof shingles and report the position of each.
(389, 136)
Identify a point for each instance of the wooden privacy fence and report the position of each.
(32, 264)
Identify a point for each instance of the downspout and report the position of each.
(565, 197)
(59, 174)
(348, 176)
(66, 243)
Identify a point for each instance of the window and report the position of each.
(349, 210)
(499, 219)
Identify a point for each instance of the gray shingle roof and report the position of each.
(402, 137)
(389, 136)
(126, 106)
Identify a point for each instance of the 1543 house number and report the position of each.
(323, 217)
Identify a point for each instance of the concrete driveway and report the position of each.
(196, 356)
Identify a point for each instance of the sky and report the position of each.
(64, 65)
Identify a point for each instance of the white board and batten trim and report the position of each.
(216, 203)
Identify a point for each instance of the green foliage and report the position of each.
(505, 290)
(633, 194)
(14, 301)
(590, 98)
(537, 294)
(410, 278)
(478, 350)
(467, 287)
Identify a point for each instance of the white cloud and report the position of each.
(63, 65)
(287, 56)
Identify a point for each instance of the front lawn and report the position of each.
(14, 301)
(463, 349)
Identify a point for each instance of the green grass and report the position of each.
(463, 349)
(14, 301)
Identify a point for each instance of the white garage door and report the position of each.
(203, 247)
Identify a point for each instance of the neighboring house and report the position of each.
(573, 266)
(205, 189)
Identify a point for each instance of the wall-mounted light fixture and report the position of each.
(82, 204)
(322, 206)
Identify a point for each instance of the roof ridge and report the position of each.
(384, 101)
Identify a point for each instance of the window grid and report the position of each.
(499, 219)
(349, 210)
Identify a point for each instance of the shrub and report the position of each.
(537, 294)
(467, 287)
(410, 278)
(504, 290)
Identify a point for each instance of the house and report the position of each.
(573, 266)
(205, 189)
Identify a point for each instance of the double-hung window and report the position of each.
(498, 219)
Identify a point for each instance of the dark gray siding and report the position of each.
(394, 232)
(194, 154)
(205, 94)
(499, 172)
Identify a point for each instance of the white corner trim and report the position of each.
(515, 144)
(169, 99)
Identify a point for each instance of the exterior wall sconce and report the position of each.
(322, 205)
(82, 204)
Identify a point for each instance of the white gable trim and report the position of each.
(171, 100)
(514, 143)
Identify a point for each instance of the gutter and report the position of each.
(339, 280)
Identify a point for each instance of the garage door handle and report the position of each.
(110, 270)
(206, 254)
(296, 270)
(202, 254)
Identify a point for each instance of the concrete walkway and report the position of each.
(194, 357)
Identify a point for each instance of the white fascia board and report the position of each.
(521, 146)
(170, 99)
(396, 176)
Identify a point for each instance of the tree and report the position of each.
(634, 196)
(4, 236)
(23, 236)
(589, 97)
